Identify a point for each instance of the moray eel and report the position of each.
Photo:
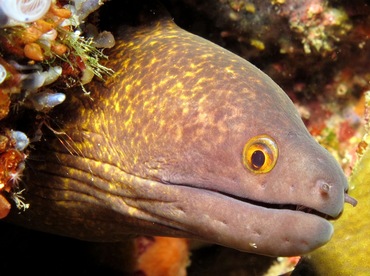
(185, 139)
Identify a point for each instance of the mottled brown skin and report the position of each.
(157, 149)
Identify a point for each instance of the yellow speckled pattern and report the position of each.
(156, 60)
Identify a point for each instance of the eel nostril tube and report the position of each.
(350, 200)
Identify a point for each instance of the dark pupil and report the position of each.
(258, 159)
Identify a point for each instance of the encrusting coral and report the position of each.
(44, 49)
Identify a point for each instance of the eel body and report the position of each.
(185, 139)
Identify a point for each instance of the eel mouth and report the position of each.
(225, 219)
(280, 206)
(240, 223)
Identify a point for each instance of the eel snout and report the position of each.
(325, 190)
(326, 193)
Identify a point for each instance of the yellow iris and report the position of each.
(260, 154)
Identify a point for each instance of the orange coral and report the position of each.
(162, 256)
(35, 31)
(9, 161)
(60, 12)
(4, 207)
(33, 51)
(29, 36)
(10, 170)
(4, 104)
(59, 48)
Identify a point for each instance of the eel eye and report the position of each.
(260, 154)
